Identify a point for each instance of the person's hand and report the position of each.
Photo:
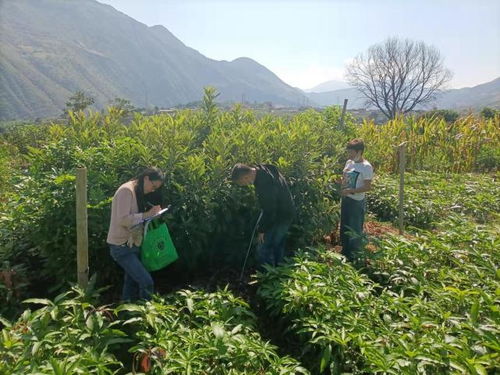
(152, 211)
(260, 238)
(346, 192)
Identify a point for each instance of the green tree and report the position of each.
(447, 114)
(208, 105)
(122, 104)
(488, 113)
(79, 101)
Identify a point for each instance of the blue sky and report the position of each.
(307, 42)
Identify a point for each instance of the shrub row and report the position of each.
(191, 332)
(210, 220)
(431, 197)
(433, 307)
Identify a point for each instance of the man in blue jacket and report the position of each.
(277, 206)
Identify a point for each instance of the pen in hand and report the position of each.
(152, 211)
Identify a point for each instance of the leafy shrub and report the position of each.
(489, 113)
(7, 159)
(67, 336)
(384, 202)
(326, 303)
(13, 288)
(488, 159)
(411, 325)
(189, 332)
(447, 115)
(202, 333)
(210, 221)
(455, 271)
(429, 197)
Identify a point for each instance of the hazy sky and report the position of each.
(307, 42)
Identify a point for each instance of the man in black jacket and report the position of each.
(277, 205)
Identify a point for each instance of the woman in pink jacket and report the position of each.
(128, 210)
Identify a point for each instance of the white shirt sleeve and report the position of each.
(368, 173)
(347, 163)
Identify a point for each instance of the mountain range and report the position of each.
(49, 49)
(329, 86)
(477, 97)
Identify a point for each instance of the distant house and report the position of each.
(170, 111)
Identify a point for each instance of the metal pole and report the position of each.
(250, 245)
(82, 242)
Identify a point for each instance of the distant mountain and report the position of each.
(336, 97)
(329, 86)
(477, 97)
(480, 96)
(51, 48)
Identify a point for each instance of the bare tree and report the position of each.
(397, 75)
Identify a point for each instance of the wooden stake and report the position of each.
(82, 241)
(342, 118)
(402, 166)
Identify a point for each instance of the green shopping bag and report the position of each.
(157, 250)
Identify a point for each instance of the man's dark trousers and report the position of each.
(272, 251)
(352, 218)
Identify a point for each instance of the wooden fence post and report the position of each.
(402, 166)
(82, 241)
(342, 117)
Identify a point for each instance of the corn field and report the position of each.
(433, 144)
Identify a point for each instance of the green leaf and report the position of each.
(90, 322)
(218, 330)
(129, 307)
(480, 369)
(325, 358)
(119, 340)
(5, 322)
(35, 347)
(132, 320)
(474, 312)
(39, 301)
(64, 178)
(236, 329)
(190, 304)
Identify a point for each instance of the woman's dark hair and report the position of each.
(154, 174)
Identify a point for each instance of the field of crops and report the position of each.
(426, 305)
(427, 302)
